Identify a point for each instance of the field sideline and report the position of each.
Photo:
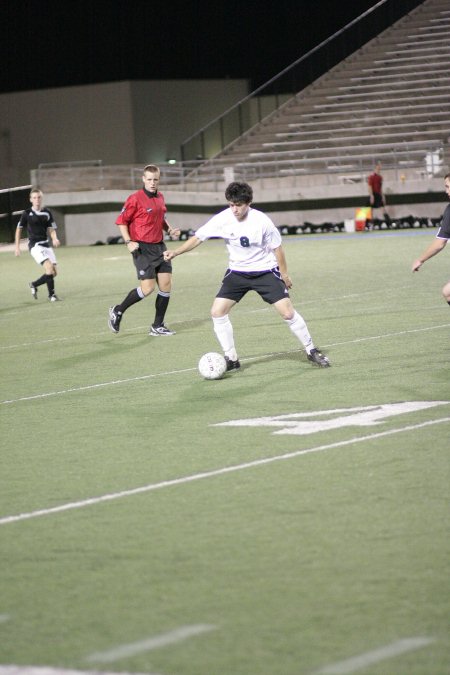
(285, 520)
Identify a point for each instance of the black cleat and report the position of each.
(114, 320)
(160, 330)
(33, 290)
(318, 358)
(53, 298)
(232, 365)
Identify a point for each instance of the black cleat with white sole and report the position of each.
(232, 365)
(318, 359)
(115, 317)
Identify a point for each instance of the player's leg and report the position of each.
(299, 328)
(137, 294)
(144, 264)
(224, 330)
(40, 255)
(295, 322)
(51, 272)
(446, 292)
(164, 280)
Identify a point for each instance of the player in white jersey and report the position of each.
(256, 263)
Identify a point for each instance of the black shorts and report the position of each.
(269, 285)
(149, 260)
(377, 201)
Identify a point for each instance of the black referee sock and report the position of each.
(161, 303)
(131, 299)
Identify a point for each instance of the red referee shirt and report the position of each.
(375, 180)
(145, 217)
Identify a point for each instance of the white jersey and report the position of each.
(250, 242)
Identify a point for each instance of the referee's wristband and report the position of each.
(128, 241)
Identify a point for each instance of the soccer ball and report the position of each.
(212, 366)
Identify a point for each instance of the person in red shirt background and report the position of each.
(142, 223)
(375, 184)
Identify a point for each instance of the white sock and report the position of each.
(224, 333)
(299, 328)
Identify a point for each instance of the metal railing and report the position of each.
(12, 202)
(279, 170)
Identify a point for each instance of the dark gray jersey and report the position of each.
(444, 230)
(36, 224)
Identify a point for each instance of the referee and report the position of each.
(142, 223)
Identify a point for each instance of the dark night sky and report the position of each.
(89, 41)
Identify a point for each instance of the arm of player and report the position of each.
(370, 189)
(282, 264)
(188, 245)
(54, 237)
(173, 232)
(131, 245)
(434, 248)
(17, 241)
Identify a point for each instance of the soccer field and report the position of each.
(284, 520)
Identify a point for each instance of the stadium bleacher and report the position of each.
(311, 153)
(390, 100)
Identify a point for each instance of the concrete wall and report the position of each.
(85, 218)
(118, 123)
(66, 124)
(166, 113)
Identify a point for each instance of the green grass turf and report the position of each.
(298, 563)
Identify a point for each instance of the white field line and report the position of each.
(163, 640)
(369, 658)
(187, 370)
(49, 670)
(211, 474)
(347, 296)
(35, 343)
(96, 386)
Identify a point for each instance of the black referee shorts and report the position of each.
(377, 201)
(149, 260)
(269, 285)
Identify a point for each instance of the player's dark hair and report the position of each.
(447, 175)
(239, 193)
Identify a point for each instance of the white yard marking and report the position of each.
(382, 654)
(211, 474)
(300, 424)
(163, 640)
(48, 670)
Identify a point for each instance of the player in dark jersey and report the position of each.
(39, 226)
(142, 223)
(440, 242)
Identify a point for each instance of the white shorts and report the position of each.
(41, 253)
